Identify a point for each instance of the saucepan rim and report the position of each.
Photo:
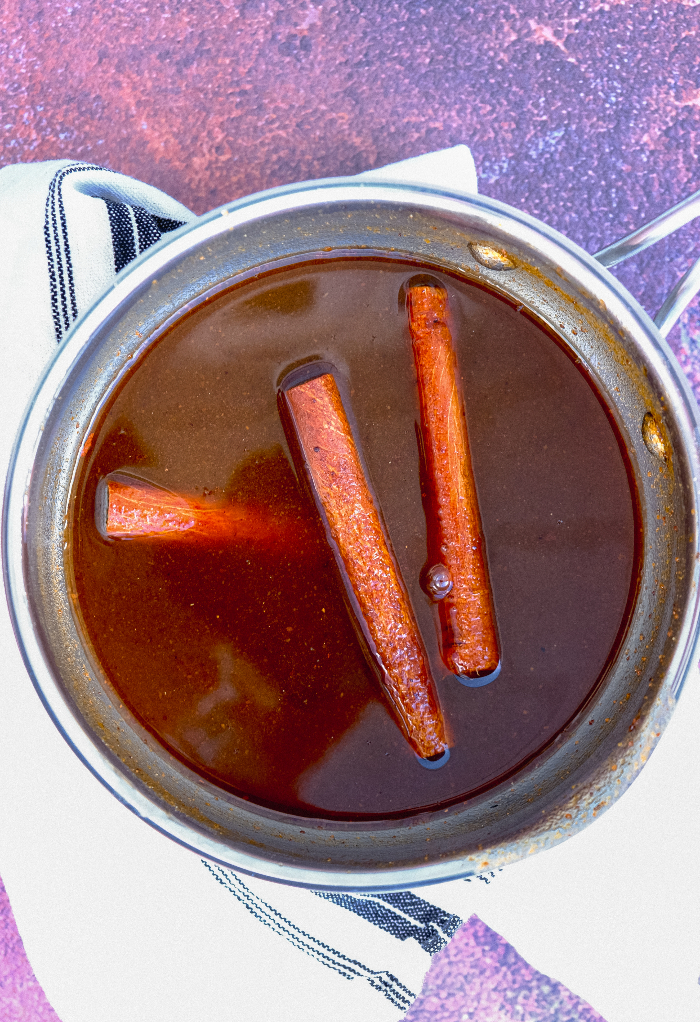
(634, 329)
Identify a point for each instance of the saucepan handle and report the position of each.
(689, 284)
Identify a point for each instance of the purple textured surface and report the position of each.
(481, 978)
(582, 112)
(585, 113)
(21, 997)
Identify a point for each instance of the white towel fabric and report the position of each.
(122, 925)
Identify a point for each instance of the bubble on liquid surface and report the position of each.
(438, 582)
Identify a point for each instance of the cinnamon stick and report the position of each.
(314, 410)
(127, 507)
(458, 579)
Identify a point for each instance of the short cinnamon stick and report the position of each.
(314, 410)
(127, 507)
(469, 640)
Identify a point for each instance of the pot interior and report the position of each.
(602, 745)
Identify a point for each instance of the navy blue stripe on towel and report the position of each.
(375, 911)
(64, 309)
(123, 234)
(350, 968)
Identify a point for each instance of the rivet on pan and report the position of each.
(651, 434)
(492, 258)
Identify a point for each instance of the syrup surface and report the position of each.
(242, 660)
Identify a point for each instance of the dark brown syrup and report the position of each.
(240, 659)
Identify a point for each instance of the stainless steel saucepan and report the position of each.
(586, 767)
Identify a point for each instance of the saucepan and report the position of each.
(585, 768)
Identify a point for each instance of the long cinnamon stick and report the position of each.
(314, 410)
(459, 577)
(127, 507)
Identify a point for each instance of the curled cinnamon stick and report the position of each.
(458, 578)
(314, 410)
(127, 507)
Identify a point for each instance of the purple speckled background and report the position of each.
(479, 977)
(585, 114)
